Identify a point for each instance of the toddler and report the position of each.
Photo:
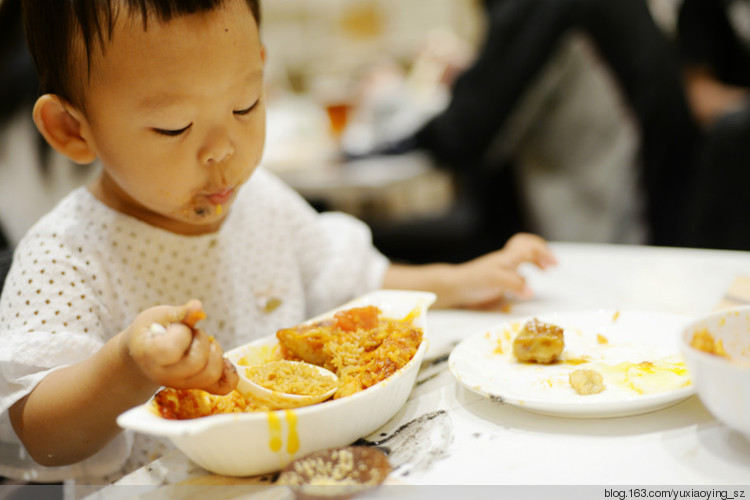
(100, 306)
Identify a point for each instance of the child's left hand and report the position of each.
(487, 281)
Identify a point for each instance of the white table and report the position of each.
(461, 438)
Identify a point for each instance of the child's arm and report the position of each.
(71, 413)
(479, 282)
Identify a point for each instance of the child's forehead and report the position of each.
(187, 56)
(134, 16)
(138, 29)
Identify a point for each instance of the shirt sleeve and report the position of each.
(49, 318)
(335, 252)
(348, 265)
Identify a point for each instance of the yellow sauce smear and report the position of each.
(292, 445)
(647, 377)
(274, 430)
(409, 318)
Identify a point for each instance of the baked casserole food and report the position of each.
(360, 345)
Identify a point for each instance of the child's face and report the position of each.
(176, 114)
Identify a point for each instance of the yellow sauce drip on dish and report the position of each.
(292, 444)
(274, 430)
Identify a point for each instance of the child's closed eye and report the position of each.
(241, 112)
(171, 132)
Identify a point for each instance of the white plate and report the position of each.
(484, 363)
(245, 444)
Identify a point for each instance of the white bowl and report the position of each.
(723, 384)
(245, 444)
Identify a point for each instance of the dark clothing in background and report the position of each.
(18, 80)
(522, 35)
(707, 36)
(715, 34)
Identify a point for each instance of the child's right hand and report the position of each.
(165, 346)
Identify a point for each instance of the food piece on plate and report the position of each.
(704, 341)
(538, 342)
(586, 382)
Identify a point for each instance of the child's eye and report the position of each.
(245, 111)
(172, 133)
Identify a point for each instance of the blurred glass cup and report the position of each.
(334, 93)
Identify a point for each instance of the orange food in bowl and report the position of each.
(704, 341)
(360, 345)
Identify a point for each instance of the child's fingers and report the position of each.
(510, 281)
(529, 248)
(164, 345)
(494, 282)
(227, 382)
(195, 357)
(193, 313)
(214, 377)
(209, 373)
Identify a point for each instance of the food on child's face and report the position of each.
(360, 345)
(704, 341)
(301, 379)
(538, 342)
(586, 382)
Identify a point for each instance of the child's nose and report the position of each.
(217, 148)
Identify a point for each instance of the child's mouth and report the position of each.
(220, 197)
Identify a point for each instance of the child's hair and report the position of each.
(55, 28)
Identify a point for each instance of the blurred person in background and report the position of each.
(714, 41)
(572, 118)
(33, 178)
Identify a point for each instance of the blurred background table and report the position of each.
(447, 435)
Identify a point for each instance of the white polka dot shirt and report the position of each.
(84, 271)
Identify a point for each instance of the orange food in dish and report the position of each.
(359, 345)
(302, 379)
(704, 341)
(182, 404)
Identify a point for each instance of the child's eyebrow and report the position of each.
(165, 100)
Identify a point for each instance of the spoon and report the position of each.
(265, 382)
(336, 473)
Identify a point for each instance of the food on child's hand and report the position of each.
(586, 382)
(193, 317)
(538, 342)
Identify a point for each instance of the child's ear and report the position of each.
(62, 129)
